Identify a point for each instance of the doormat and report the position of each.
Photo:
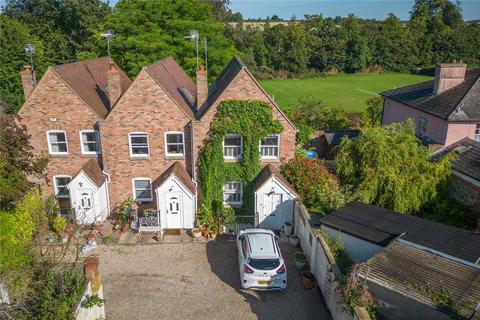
(172, 232)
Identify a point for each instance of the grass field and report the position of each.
(349, 91)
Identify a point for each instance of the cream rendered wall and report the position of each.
(357, 249)
(459, 130)
(188, 205)
(100, 209)
(284, 212)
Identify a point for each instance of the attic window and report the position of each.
(138, 144)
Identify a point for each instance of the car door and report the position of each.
(242, 253)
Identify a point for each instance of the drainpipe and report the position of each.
(192, 148)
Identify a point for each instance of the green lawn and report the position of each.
(347, 90)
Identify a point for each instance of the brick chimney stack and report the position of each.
(448, 75)
(29, 81)
(114, 84)
(202, 87)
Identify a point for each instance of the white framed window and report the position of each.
(57, 142)
(232, 193)
(422, 125)
(138, 144)
(174, 143)
(90, 142)
(142, 189)
(270, 147)
(232, 146)
(60, 186)
(476, 136)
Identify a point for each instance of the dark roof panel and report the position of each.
(89, 80)
(465, 96)
(401, 266)
(380, 226)
(334, 137)
(467, 160)
(176, 82)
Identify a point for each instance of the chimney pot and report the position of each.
(448, 75)
(202, 87)
(29, 80)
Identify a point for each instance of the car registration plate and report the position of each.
(264, 282)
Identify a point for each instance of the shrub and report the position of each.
(317, 186)
(60, 224)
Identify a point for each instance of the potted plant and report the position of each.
(300, 260)
(308, 280)
(288, 228)
(124, 213)
(196, 232)
(294, 240)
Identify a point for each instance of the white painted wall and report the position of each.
(172, 184)
(283, 214)
(357, 249)
(99, 211)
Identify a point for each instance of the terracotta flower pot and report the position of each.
(213, 235)
(196, 233)
(125, 227)
(205, 233)
(308, 280)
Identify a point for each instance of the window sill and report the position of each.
(269, 160)
(172, 157)
(238, 205)
(231, 160)
(96, 155)
(143, 200)
(59, 155)
(140, 158)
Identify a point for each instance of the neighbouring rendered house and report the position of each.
(110, 138)
(445, 110)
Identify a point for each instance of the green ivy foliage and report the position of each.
(252, 120)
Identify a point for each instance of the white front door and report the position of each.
(85, 209)
(271, 217)
(174, 210)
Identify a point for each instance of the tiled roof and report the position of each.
(271, 171)
(222, 82)
(89, 80)
(178, 170)
(176, 82)
(467, 160)
(407, 270)
(461, 102)
(93, 171)
(381, 226)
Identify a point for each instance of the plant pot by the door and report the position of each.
(294, 240)
(205, 233)
(213, 235)
(288, 228)
(308, 280)
(196, 233)
(125, 227)
(300, 260)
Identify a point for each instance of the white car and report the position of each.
(261, 264)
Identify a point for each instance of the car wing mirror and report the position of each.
(276, 238)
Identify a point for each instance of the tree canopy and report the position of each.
(387, 167)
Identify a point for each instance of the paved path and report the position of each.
(196, 281)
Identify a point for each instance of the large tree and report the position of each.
(387, 167)
(150, 30)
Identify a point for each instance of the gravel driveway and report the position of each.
(196, 281)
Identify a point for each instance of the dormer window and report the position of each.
(57, 142)
(232, 146)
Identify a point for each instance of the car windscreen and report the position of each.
(264, 264)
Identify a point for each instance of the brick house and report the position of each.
(143, 135)
(445, 110)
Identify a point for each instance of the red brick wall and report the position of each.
(243, 87)
(147, 108)
(54, 100)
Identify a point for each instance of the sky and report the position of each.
(370, 9)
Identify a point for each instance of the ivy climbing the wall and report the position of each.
(252, 120)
